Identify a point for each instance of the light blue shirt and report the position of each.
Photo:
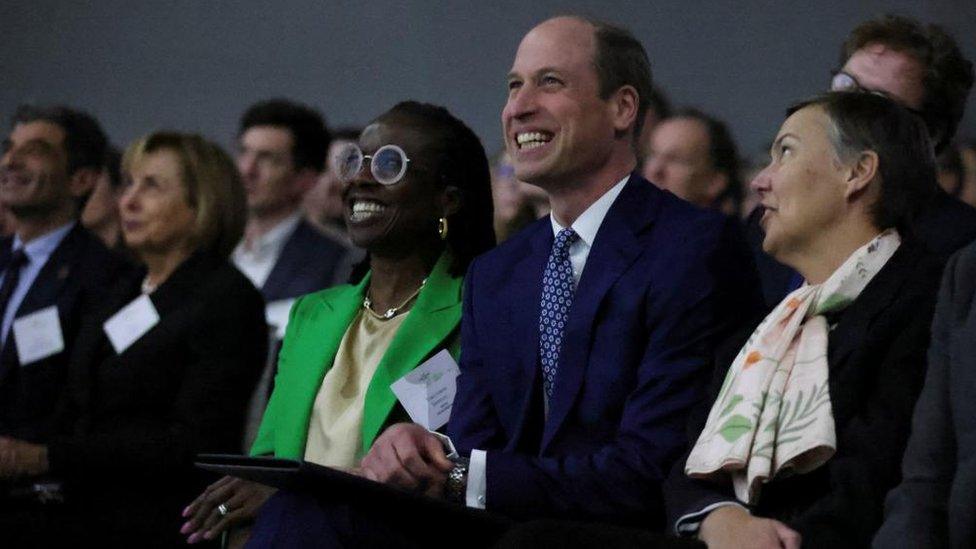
(38, 251)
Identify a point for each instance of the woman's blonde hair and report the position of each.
(212, 184)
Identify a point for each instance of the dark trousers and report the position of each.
(292, 519)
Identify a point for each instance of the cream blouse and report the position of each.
(335, 428)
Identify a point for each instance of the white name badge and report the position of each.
(427, 392)
(38, 335)
(130, 323)
(276, 313)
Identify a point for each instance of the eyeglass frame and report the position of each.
(362, 160)
(856, 86)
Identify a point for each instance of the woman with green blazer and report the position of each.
(417, 197)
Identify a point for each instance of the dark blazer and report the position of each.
(876, 351)
(943, 225)
(662, 282)
(133, 422)
(309, 261)
(935, 505)
(75, 278)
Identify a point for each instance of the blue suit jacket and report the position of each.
(663, 281)
(309, 262)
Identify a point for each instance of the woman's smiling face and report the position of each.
(395, 218)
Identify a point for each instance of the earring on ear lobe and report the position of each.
(442, 228)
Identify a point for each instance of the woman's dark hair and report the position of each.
(461, 163)
(906, 162)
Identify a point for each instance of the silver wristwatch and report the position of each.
(456, 486)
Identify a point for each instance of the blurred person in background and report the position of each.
(658, 108)
(162, 371)
(101, 213)
(323, 203)
(516, 203)
(54, 271)
(281, 154)
(693, 155)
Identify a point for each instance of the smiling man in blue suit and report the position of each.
(588, 336)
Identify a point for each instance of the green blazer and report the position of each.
(316, 326)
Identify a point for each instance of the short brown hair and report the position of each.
(621, 60)
(948, 75)
(212, 184)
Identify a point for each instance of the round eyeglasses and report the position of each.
(388, 164)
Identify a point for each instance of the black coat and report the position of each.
(133, 422)
(876, 353)
(935, 505)
(76, 278)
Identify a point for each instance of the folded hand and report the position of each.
(240, 499)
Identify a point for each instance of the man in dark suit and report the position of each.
(921, 68)
(935, 504)
(281, 153)
(53, 271)
(585, 338)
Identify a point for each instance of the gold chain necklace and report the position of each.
(392, 312)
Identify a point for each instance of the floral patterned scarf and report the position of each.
(773, 414)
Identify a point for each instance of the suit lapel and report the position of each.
(523, 298)
(309, 360)
(44, 291)
(54, 275)
(614, 249)
(432, 319)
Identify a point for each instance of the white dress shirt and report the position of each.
(38, 251)
(586, 226)
(257, 260)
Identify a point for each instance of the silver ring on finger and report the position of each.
(223, 510)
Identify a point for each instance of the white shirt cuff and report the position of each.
(688, 525)
(477, 479)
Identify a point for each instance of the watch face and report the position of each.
(457, 482)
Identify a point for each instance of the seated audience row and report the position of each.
(583, 397)
(162, 359)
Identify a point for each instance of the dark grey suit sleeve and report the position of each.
(916, 510)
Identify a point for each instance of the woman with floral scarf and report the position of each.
(809, 422)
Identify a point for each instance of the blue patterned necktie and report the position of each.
(557, 298)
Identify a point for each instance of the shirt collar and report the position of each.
(41, 248)
(275, 238)
(588, 223)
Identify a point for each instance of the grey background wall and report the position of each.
(195, 65)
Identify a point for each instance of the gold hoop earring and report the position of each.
(442, 228)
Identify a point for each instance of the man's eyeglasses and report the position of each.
(388, 164)
(842, 81)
